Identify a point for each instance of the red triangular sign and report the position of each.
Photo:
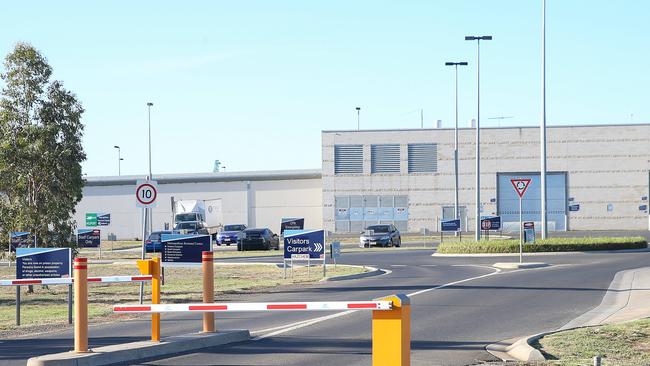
(520, 185)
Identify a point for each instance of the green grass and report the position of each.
(618, 344)
(48, 306)
(547, 245)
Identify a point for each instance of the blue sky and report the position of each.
(252, 83)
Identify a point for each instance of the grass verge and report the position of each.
(618, 344)
(48, 305)
(547, 245)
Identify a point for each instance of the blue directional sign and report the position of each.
(335, 250)
(43, 262)
(184, 250)
(293, 223)
(450, 225)
(304, 244)
(490, 222)
(88, 238)
(103, 219)
(20, 239)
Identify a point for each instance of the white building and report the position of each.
(258, 199)
(598, 179)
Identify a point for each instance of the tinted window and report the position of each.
(234, 228)
(154, 236)
(379, 228)
(186, 217)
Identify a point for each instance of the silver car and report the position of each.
(385, 235)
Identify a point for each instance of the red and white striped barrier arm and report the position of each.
(70, 280)
(255, 306)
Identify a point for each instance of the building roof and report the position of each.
(208, 177)
(489, 127)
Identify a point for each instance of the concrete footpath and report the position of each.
(626, 299)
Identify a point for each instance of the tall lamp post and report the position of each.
(542, 128)
(455, 65)
(119, 160)
(478, 39)
(358, 123)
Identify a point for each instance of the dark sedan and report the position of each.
(380, 235)
(263, 239)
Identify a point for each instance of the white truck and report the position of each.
(206, 213)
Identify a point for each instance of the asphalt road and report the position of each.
(459, 305)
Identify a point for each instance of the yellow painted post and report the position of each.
(391, 333)
(152, 267)
(155, 298)
(80, 268)
(208, 290)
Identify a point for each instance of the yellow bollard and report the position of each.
(208, 290)
(80, 268)
(391, 333)
(152, 267)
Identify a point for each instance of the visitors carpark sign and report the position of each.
(304, 245)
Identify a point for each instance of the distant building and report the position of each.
(598, 179)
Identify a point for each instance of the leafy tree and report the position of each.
(40, 150)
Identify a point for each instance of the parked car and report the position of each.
(385, 235)
(230, 234)
(198, 227)
(153, 243)
(262, 238)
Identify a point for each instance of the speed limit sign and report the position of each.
(146, 192)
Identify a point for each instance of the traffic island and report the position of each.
(128, 353)
(517, 265)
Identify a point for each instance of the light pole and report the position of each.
(478, 39)
(455, 65)
(542, 128)
(358, 123)
(150, 213)
(119, 160)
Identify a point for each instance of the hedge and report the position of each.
(546, 245)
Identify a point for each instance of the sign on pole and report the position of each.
(88, 238)
(21, 239)
(491, 222)
(184, 250)
(43, 262)
(529, 232)
(294, 223)
(304, 244)
(521, 185)
(146, 192)
(450, 225)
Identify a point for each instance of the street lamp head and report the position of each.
(358, 108)
(121, 159)
(478, 38)
(463, 63)
(149, 104)
(116, 147)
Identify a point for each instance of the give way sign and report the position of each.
(146, 192)
(521, 185)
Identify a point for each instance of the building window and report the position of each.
(384, 158)
(423, 158)
(355, 213)
(348, 159)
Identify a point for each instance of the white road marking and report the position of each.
(305, 323)
(398, 265)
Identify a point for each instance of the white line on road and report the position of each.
(305, 323)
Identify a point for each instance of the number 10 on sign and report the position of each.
(146, 193)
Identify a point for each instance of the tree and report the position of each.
(40, 150)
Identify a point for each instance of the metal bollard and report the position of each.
(207, 261)
(391, 333)
(80, 305)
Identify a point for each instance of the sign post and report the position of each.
(521, 185)
(146, 192)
